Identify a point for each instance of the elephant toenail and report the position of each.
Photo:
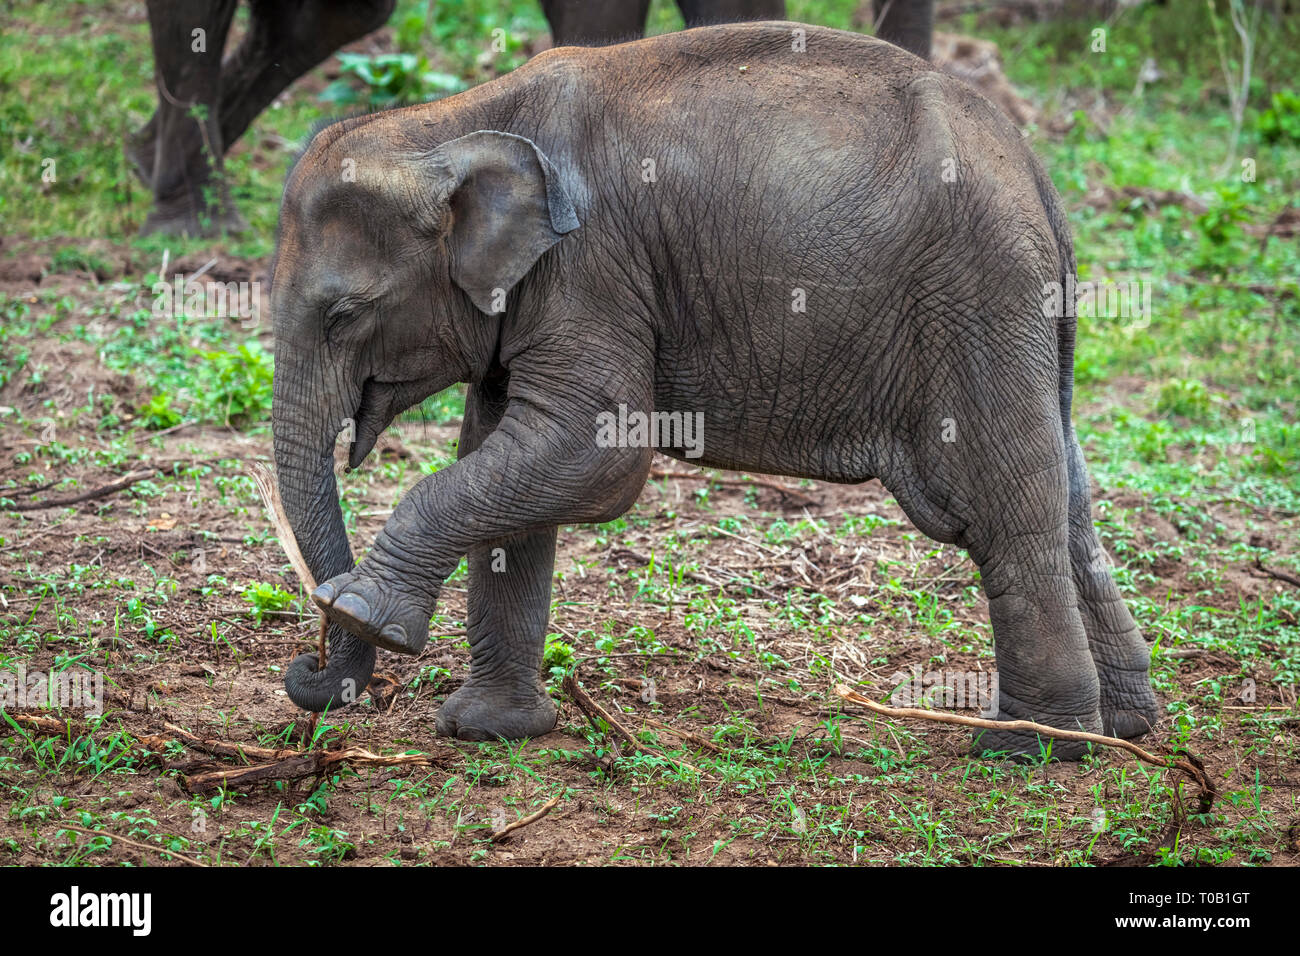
(324, 595)
(353, 605)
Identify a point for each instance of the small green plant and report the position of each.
(235, 387)
(1187, 398)
(264, 598)
(389, 78)
(1222, 244)
(1281, 121)
(558, 657)
(157, 413)
(72, 259)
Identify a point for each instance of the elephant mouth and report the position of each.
(380, 403)
(373, 414)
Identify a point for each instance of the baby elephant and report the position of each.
(825, 257)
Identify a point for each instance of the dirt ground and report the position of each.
(788, 774)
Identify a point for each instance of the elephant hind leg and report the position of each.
(1000, 488)
(1122, 658)
(1045, 671)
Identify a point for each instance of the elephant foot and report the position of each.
(1023, 745)
(1130, 713)
(378, 615)
(481, 711)
(186, 219)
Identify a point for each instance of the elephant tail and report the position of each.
(1065, 321)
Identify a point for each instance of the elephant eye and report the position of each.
(340, 314)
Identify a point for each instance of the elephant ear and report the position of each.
(507, 208)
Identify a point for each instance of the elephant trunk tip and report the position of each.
(339, 684)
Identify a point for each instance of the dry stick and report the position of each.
(126, 481)
(136, 843)
(1169, 763)
(595, 712)
(300, 765)
(509, 828)
(269, 490)
(1279, 575)
(699, 578)
(147, 435)
(737, 482)
(284, 764)
(684, 735)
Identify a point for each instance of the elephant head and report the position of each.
(389, 284)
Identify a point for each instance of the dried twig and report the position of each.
(736, 482)
(683, 734)
(510, 828)
(1279, 575)
(135, 843)
(1194, 771)
(595, 712)
(700, 578)
(299, 765)
(126, 481)
(278, 764)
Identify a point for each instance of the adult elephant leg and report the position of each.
(905, 23)
(595, 22)
(285, 39)
(700, 13)
(1122, 657)
(509, 605)
(185, 173)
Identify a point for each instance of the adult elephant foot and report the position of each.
(382, 615)
(187, 221)
(502, 709)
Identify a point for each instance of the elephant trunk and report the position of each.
(304, 460)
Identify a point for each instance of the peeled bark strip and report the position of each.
(595, 712)
(269, 490)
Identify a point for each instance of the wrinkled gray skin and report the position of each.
(821, 171)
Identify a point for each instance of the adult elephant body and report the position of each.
(836, 255)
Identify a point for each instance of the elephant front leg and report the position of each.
(509, 606)
(530, 475)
